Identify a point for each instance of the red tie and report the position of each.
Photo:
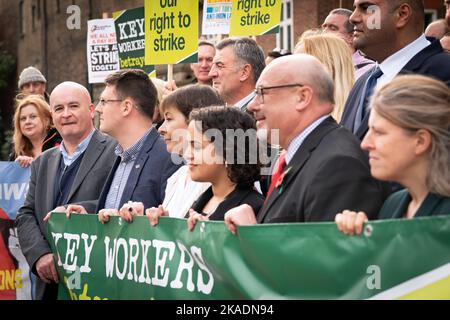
(278, 168)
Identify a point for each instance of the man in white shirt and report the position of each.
(391, 33)
(237, 66)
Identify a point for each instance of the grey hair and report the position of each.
(247, 51)
(347, 13)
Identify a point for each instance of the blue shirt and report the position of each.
(298, 140)
(128, 157)
(68, 160)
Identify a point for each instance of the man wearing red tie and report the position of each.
(323, 168)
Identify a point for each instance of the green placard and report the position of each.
(130, 32)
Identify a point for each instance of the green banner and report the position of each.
(397, 259)
(130, 33)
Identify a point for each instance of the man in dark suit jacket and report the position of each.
(398, 46)
(73, 173)
(326, 169)
(142, 165)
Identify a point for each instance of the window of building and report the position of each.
(33, 18)
(430, 16)
(22, 18)
(285, 38)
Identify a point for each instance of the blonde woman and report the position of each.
(409, 143)
(33, 130)
(335, 54)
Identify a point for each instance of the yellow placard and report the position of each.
(171, 31)
(255, 17)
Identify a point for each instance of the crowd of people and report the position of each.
(326, 122)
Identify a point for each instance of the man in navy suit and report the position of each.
(143, 164)
(397, 43)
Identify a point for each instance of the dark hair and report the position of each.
(230, 125)
(246, 51)
(135, 84)
(192, 97)
(206, 43)
(347, 13)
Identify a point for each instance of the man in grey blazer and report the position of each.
(72, 173)
(323, 168)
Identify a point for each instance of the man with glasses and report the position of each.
(74, 172)
(142, 165)
(322, 170)
(391, 32)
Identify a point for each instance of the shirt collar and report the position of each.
(395, 63)
(300, 138)
(243, 102)
(81, 147)
(131, 153)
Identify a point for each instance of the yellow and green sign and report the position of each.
(171, 31)
(130, 39)
(255, 17)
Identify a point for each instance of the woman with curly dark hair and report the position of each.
(223, 151)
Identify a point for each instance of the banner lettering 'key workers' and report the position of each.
(130, 34)
(255, 17)
(171, 34)
(392, 259)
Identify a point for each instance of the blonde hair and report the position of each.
(335, 54)
(23, 145)
(415, 102)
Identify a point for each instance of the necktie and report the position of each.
(278, 168)
(367, 92)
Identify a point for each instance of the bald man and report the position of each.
(325, 170)
(437, 29)
(74, 172)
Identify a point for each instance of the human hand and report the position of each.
(153, 214)
(45, 268)
(104, 214)
(193, 218)
(131, 209)
(350, 222)
(241, 215)
(169, 88)
(24, 161)
(76, 209)
(57, 209)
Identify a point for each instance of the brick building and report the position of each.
(35, 32)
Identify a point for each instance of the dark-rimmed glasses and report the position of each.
(103, 102)
(259, 91)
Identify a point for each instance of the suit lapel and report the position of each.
(139, 164)
(52, 169)
(298, 162)
(92, 153)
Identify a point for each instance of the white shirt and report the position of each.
(181, 192)
(395, 63)
(244, 102)
(298, 140)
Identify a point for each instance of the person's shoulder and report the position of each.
(392, 204)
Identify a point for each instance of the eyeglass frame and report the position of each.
(103, 102)
(260, 93)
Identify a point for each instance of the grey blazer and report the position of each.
(32, 231)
